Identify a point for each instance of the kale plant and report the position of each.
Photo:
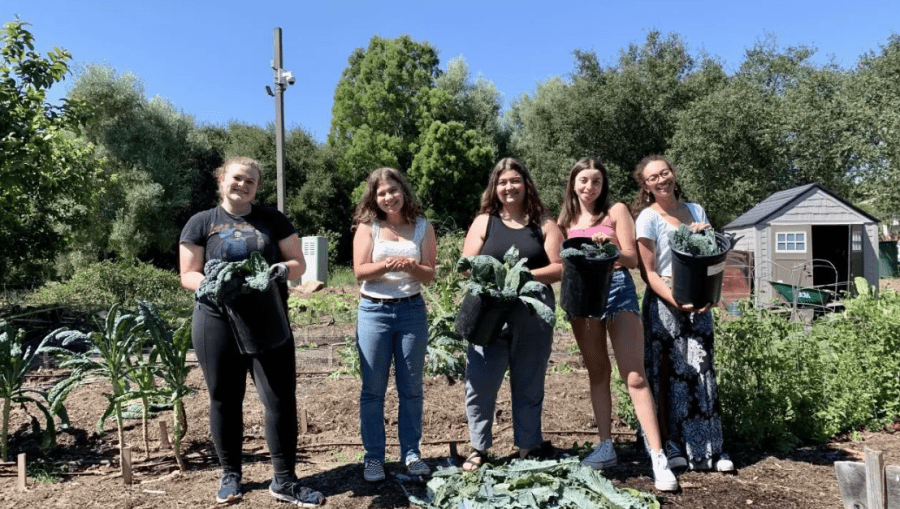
(530, 484)
(225, 280)
(702, 243)
(590, 251)
(505, 281)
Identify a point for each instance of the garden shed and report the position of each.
(807, 236)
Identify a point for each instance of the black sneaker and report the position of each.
(295, 494)
(229, 488)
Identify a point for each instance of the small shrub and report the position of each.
(106, 284)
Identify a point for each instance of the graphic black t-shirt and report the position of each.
(233, 238)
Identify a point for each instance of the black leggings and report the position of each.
(225, 370)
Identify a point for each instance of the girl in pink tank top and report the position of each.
(585, 203)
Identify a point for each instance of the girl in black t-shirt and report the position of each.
(231, 232)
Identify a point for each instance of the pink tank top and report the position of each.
(605, 226)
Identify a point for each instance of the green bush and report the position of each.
(769, 380)
(105, 284)
(781, 383)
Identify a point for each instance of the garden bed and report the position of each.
(83, 470)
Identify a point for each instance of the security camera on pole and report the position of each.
(282, 80)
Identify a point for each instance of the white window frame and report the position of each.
(785, 239)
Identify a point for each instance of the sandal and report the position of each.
(474, 461)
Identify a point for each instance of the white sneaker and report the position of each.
(674, 455)
(663, 478)
(603, 456)
(724, 464)
(417, 467)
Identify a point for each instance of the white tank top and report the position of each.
(394, 285)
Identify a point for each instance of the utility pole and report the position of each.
(282, 80)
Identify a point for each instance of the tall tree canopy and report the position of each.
(46, 175)
(394, 107)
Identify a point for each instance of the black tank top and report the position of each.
(529, 240)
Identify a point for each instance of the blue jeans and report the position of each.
(622, 295)
(386, 332)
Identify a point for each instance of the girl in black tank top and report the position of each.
(511, 214)
(529, 241)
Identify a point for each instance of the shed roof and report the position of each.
(782, 200)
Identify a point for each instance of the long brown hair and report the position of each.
(571, 207)
(367, 210)
(644, 197)
(534, 209)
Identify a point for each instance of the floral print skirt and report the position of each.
(678, 359)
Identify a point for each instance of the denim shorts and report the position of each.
(622, 295)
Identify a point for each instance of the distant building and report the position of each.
(808, 236)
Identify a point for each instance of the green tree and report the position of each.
(874, 90)
(617, 113)
(395, 107)
(729, 137)
(376, 117)
(46, 173)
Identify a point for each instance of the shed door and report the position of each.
(857, 240)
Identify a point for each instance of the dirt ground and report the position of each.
(86, 468)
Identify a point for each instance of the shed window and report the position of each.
(790, 242)
(856, 242)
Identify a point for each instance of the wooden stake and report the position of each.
(164, 436)
(22, 472)
(453, 452)
(875, 496)
(303, 421)
(126, 464)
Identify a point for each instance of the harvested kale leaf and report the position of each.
(590, 251)
(505, 281)
(702, 243)
(224, 280)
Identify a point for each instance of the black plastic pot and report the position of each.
(258, 321)
(697, 280)
(585, 282)
(481, 318)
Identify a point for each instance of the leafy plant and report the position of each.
(505, 281)
(101, 285)
(701, 243)
(590, 251)
(530, 484)
(446, 351)
(15, 362)
(312, 309)
(171, 349)
(110, 348)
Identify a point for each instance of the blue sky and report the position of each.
(211, 58)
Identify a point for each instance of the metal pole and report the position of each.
(279, 124)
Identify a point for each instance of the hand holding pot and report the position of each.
(696, 227)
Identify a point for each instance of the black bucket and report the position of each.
(481, 318)
(697, 280)
(258, 321)
(585, 282)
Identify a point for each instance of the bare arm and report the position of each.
(292, 253)
(475, 236)
(190, 265)
(553, 239)
(625, 233)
